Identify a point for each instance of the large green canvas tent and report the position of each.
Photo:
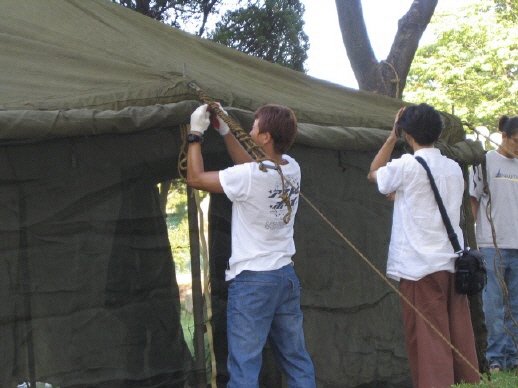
(93, 97)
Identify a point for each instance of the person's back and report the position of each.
(264, 291)
(261, 239)
(418, 237)
(421, 256)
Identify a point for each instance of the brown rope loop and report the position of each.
(182, 155)
(397, 80)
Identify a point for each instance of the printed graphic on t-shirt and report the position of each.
(508, 177)
(279, 208)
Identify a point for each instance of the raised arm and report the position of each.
(385, 152)
(234, 148)
(197, 177)
(382, 157)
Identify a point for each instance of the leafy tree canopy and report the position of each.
(268, 29)
(472, 67)
(178, 13)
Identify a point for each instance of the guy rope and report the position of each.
(259, 156)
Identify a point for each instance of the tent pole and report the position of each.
(197, 294)
(26, 283)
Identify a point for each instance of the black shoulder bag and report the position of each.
(470, 269)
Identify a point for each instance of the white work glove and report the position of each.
(220, 125)
(200, 119)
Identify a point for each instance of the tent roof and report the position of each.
(88, 58)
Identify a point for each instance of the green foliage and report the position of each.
(472, 67)
(177, 13)
(268, 29)
(508, 379)
(178, 226)
(507, 9)
(154, 9)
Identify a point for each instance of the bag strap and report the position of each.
(449, 228)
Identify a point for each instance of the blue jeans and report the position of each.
(265, 305)
(501, 349)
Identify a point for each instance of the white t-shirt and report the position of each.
(502, 179)
(419, 243)
(261, 241)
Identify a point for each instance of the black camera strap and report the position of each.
(451, 233)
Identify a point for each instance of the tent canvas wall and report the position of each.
(93, 98)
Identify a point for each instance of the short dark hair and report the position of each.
(508, 125)
(423, 122)
(281, 122)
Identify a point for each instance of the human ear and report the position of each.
(267, 137)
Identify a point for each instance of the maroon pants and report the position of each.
(433, 363)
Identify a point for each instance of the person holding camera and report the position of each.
(494, 204)
(420, 253)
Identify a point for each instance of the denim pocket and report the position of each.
(249, 295)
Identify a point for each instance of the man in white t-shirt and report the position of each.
(420, 254)
(264, 291)
(499, 200)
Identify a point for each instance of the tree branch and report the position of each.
(406, 42)
(356, 40)
(387, 77)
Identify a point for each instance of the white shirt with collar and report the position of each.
(419, 243)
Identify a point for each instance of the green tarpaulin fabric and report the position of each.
(63, 55)
(93, 97)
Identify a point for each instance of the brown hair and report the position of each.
(280, 122)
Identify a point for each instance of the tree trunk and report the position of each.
(386, 77)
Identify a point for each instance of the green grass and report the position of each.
(187, 322)
(498, 380)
